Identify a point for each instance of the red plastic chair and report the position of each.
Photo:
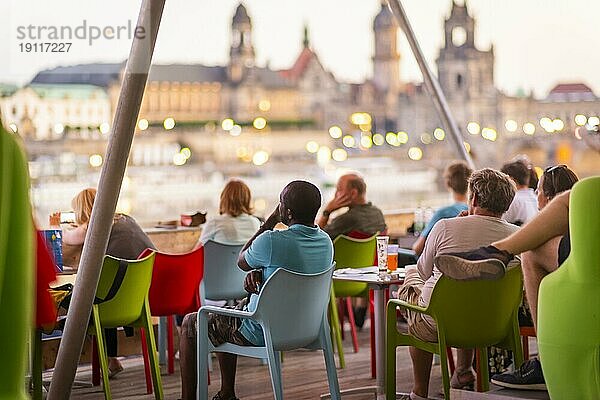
(175, 289)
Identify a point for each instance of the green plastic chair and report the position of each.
(569, 305)
(468, 314)
(125, 305)
(349, 252)
(292, 311)
(16, 267)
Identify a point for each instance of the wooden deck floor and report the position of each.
(304, 376)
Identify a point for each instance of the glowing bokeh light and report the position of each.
(415, 153)
(335, 132)
(312, 146)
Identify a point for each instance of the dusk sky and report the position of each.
(538, 43)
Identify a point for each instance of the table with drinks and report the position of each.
(378, 278)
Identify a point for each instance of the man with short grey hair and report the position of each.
(489, 196)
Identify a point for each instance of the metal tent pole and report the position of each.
(119, 144)
(432, 84)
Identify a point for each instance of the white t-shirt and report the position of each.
(455, 235)
(523, 208)
(227, 229)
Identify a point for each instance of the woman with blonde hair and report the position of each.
(127, 240)
(234, 224)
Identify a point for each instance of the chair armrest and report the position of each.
(393, 303)
(226, 311)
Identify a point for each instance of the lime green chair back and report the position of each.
(468, 314)
(16, 267)
(126, 306)
(352, 253)
(569, 304)
(122, 297)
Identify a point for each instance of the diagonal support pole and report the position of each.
(111, 177)
(431, 82)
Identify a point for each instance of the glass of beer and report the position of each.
(392, 257)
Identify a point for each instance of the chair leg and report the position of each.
(146, 362)
(335, 328)
(95, 363)
(36, 367)
(342, 314)
(151, 343)
(202, 357)
(372, 331)
(332, 379)
(444, 367)
(170, 346)
(274, 369)
(525, 345)
(352, 323)
(483, 376)
(101, 351)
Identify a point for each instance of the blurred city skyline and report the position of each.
(537, 43)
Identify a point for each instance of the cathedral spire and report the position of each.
(305, 40)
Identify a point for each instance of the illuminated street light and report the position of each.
(529, 128)
(179, 159)
(95, 160)
(312, 146)
(580, 119)
(235, 130)
(593, 121)
(227, 124)
(339, 155)
(143, 124)
(259, 123)
(558, 124)
(360, 118)
(366, 141)
(439, 134)
(473, 128)
(426, 138)
(169, 123)
(415, 153)
(60, 128)
(323, 155)
(402, 137)
(187, 153)
(260, 158)
(349, 141)
(264, 105)
(391, 138)
(378, 139)
(104, 128)
(511, 125)
(335, 132)
(489, 134)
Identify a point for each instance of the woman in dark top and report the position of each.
(127, 240)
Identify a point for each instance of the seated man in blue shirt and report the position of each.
(303, 247)
(456, 177)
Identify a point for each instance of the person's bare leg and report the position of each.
(552, 221)
(464, 359)
(228, 366)
(187, 358)
(421, 361)
(536, 264)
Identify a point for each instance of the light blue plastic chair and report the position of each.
(223, 279)
(292, 310)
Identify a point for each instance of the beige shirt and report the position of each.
(456, 235)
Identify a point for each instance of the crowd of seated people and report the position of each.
(480, 215)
